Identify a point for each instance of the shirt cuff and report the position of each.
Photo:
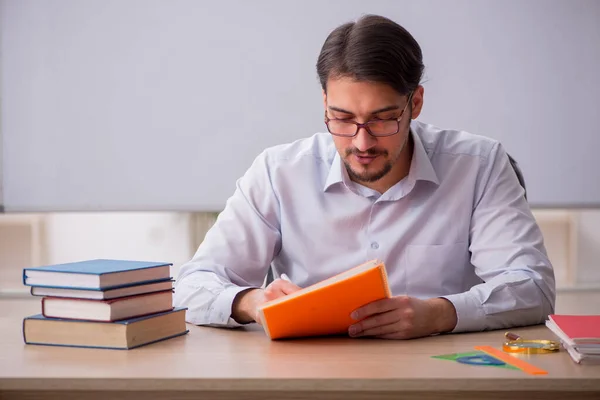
(220, 312)
(469, 312)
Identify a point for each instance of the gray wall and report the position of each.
(162, 105)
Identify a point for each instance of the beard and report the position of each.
(367, 175)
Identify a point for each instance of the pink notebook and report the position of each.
(576, 329)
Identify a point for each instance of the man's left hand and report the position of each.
(404, 317)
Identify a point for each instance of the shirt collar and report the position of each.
(420, 166)
(336, 172)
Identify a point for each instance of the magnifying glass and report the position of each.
(516, 344)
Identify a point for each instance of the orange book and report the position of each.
(325, 307)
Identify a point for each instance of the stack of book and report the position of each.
(579, 334)
(104, 304)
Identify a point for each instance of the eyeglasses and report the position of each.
(376, 127)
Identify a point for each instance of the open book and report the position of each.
(325, 307)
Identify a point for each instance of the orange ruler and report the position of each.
(514, 361)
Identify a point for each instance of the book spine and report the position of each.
(111, 320)
(79, 346)
(109, 347)
(44, 307)
(23, 328)
(159, 340)
(386, 283)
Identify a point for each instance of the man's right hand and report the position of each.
(246, 303)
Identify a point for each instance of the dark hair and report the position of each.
(375, 49)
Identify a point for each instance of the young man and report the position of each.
(443, 209)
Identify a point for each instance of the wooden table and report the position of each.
(244, 363)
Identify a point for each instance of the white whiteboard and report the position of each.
(162, 105)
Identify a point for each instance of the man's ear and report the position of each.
(325, 100)
(417, 102)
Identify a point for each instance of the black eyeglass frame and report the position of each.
(366, 124)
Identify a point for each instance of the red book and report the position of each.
(579, 334)
(107, 310)
(576, 330)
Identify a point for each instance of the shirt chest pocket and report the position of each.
(437, 270)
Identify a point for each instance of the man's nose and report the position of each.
(363, 141)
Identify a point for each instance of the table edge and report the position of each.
(575, 384)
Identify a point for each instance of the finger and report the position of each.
(285, 286)
(402, 331)
(373, 321)
(376, 307)
(272, 293)
(279, 288)
(380, 330)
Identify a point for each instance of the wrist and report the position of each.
(243, 307)
(444, 313)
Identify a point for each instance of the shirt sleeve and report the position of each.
(236, 252)
(508, 254)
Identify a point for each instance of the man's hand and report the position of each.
(246, 303)
(403, 317)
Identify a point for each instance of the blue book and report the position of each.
(122, 335)
(97, 274)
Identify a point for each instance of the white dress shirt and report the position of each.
(458, 226)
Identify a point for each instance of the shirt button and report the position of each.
(375, 245)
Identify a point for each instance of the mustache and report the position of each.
(368, 153)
